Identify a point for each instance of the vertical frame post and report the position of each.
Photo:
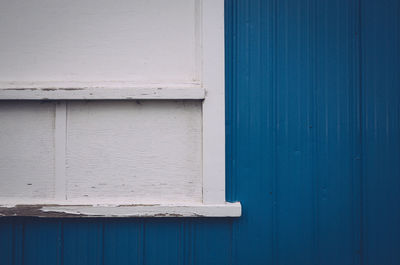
(213, 77)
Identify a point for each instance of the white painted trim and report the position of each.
(214, 104)
(78, 91)
(211, 56)
(156, 210)
(60, 190)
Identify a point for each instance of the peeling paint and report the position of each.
(33, 211)
(81, 91)
(133, 210)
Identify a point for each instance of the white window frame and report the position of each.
(210, 90)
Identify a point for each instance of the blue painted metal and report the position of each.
(313, 151)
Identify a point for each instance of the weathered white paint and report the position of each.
(109, 156)
(155, 210)
(96, 91)
(145, 41)
(214, 105)
(26, 150)
(145, 151)
(60, 135)
(173, 210)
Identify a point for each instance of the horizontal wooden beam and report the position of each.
(101, 91)
(138, 210)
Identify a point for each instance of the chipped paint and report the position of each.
(132, 210)
(98, 92)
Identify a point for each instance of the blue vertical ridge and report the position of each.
(381, 130)
(143, 241)
(251, 75)
(355, 110)
(6, 242)
(312, 125)
(274, 122)
(40, 242)
(162, 238)
(336, 112)
(60, 242)
(83, 242)
(230, 99)
(122, 242)
(18, 241)
(102, 242)
(360, 136)
(212, 241)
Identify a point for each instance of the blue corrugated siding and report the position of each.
(313, 151)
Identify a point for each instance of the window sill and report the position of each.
(124, 210)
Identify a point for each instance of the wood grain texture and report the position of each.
(97, 91)
(98, 40)
(26, 149)
(214, 105)
(155, 210)
(109, 152)
(146, 151)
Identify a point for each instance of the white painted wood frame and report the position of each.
(207, 87)
(213, 77)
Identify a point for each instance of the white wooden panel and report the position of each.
(113, 158)
(147, 151)
(146, 41)
(93, 91)
(26, 150)
(214, 104)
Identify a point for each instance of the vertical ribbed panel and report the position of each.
(313, 152)
(380, 63)
(124, 242)
(82, 242)
(6, 241)
(336, 132)
(41, 242)
(251, 131)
